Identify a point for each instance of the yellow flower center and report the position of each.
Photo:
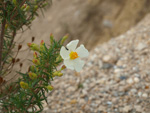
(73, 55)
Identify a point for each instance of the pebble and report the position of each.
(110, 58)
(102, 108)
(136, 79)
(130, 81)
(138, 108)
(116, 94)
(119, 63)
(107, 66)
(109, 103)
(117, 70)
(139, 94)
(74, 101)
(81, 101)
(123, 77)
(93, 57)
(107, 58)
(145, 95)
(133, 90)
(86, 98)
(122, 93)
(100, 63)
(84, 92)
(94, 105)
(136, 69)
(107, 23)
(127, 108)
(141, 46)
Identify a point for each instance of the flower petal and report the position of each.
(82, 51)
(69, 63)
(78, 64)
(64, 53)
(72, 45)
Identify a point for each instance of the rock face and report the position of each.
(121, 87)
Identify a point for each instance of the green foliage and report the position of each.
(14, 15)
(29, 91)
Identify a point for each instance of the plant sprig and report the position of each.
(33, 85)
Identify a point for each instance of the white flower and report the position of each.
(72, 56)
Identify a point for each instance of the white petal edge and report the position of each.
(72, 45)
(64, 53)
(82, 51)
(69, 64)
(78, 64)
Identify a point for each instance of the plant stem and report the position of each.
(9, 48)
(1, 40)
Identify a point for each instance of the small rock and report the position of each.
(122, 93)
(127, 108)
(119, 63)
(99, 112)
(89, 63)
(139, 94)
(141, 46)
(117, 75)
(115, 94)
(145, 95)
(109, 103)
(93, 57)
(84, 92)
(100, 63)
(96, 50)
(117, 70)
(110, 58)
(136, 79)
(74, 101)
(93, 105)
(123, 77)
(136, 69)
(107, 66)
(81, 101)
(130, 81)
(98, 102)
(116, 110)
(86, 98)
(102, 108)
(137, 75)
(133, 90)
(107, 23)
(106, 58)
(138, 108)
(71, 89)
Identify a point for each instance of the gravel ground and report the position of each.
(115, 79)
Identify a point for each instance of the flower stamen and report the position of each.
(73, 55)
